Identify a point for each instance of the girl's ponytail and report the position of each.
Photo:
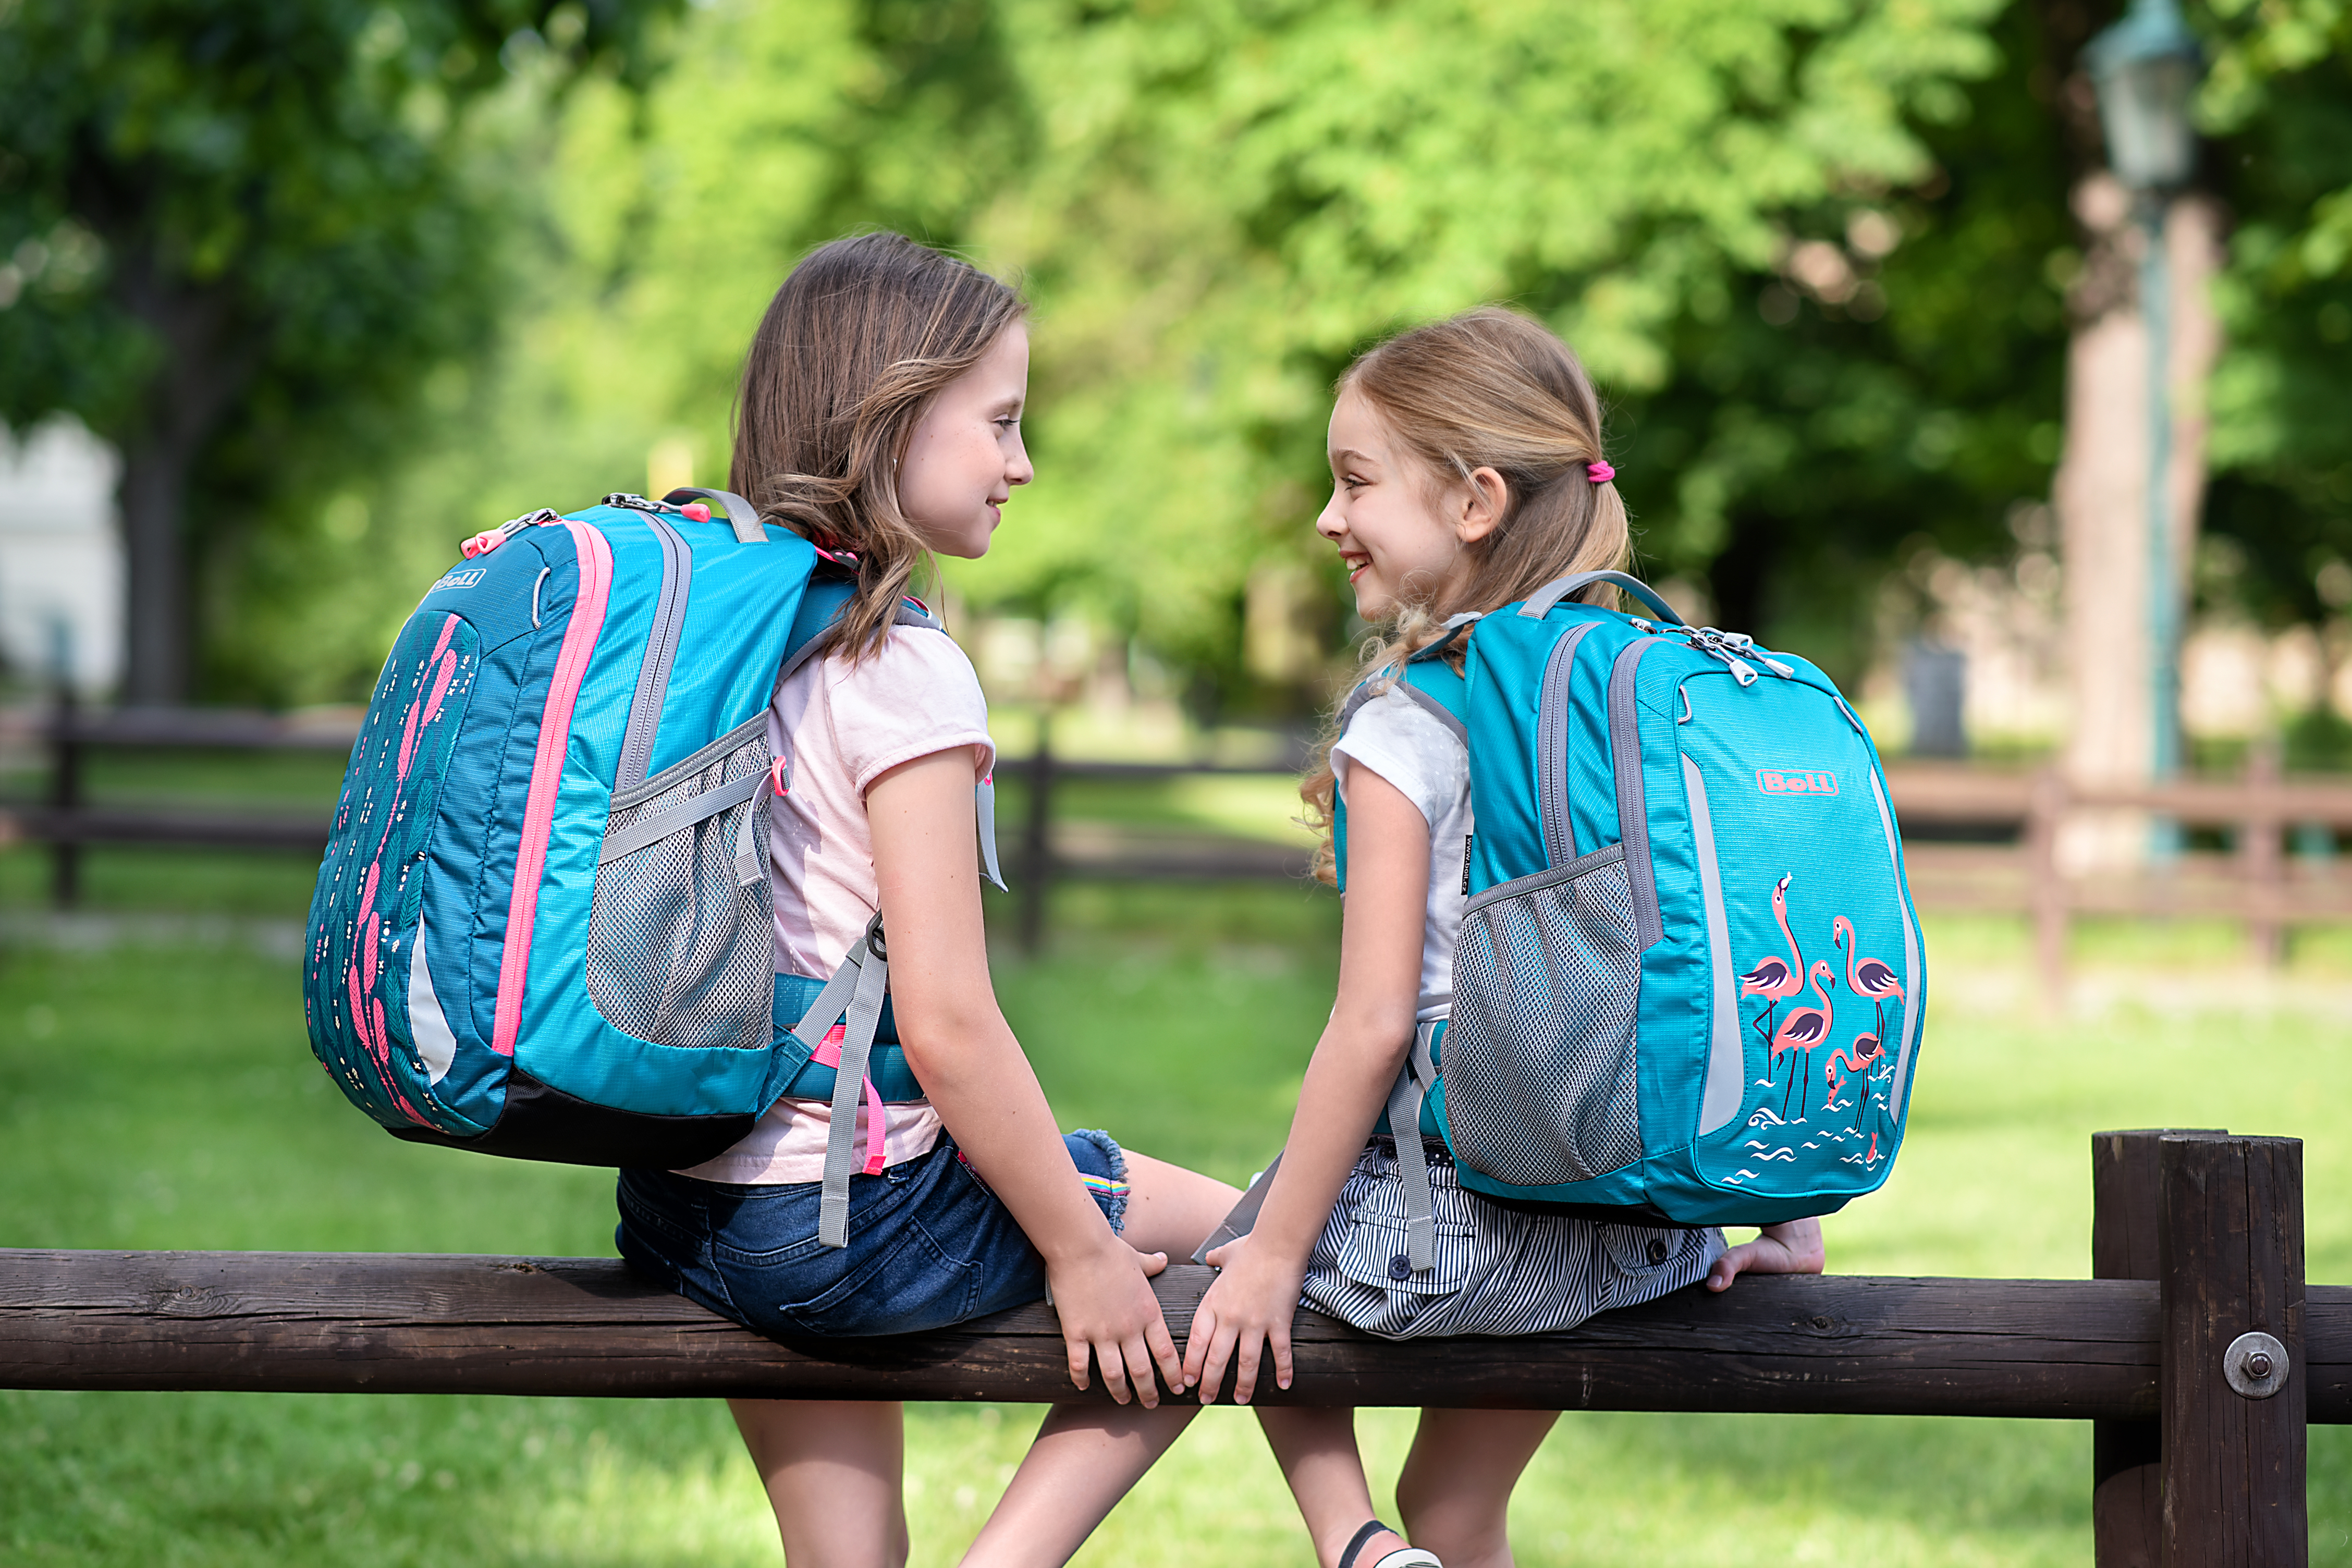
(856, 343)
(1489, 389)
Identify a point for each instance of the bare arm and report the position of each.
(959, 1045)
(1355, 1063)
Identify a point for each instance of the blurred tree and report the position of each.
(2279, 102)
(238, 232)
(1231, 199)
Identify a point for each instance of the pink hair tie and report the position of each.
(1599, 472)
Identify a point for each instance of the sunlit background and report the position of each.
(1914, 367)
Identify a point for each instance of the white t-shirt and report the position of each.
(1412, 751)
(844, 725)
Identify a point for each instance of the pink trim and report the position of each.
(547, 775)
(878, 1121)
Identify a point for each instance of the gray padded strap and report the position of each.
(848, 1081)
(678, 818)
(741, 515)
(1540, 603)
(1414, 694)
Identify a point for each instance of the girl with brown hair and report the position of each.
(1467, 472)
(880, 417)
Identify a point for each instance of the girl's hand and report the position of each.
(1108, 1311)
(1250, 1303)
(1794, 1247)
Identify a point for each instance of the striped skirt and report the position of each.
(1496, 1271)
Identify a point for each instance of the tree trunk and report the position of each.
(203, 371)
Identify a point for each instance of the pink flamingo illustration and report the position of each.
(1776, 979)
(1803, 1029)
(1864, 1052)
(1867, 976)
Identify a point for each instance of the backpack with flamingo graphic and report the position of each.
(543, 927)
(1688, 984)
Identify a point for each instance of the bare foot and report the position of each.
(1794, 1247)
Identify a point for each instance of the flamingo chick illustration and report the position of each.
(1864, 1053)
(1776, 979)
(1805, 1028)
(1867, 976)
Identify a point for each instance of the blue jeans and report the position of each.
(928, 1244)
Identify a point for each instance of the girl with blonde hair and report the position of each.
(1467, 471)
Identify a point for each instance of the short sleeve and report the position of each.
(1396, 738)
(916, 695)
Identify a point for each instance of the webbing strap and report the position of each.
(984, 800)
(1420, 1072)
(848, 1082)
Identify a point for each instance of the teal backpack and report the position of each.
(1688, 985)
(543, 927)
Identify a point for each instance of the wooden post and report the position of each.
(2046, 890)
(2127, 1469)
(1037, 839)
(2233, 1408)
(65, 798)
(2261, 856)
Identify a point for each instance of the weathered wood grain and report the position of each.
(2126, 1456)
(2232, 1239)
(401, 1323)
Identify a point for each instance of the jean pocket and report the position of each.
(905, 1286)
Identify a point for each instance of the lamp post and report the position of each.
(2146, 68)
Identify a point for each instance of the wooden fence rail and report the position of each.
(2199, 1234)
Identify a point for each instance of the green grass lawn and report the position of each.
(163, 1097)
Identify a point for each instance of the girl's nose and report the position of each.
(1327, 521)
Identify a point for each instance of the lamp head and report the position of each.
(2146, 68)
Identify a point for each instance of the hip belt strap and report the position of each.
(1413, 1085)
(861, 981)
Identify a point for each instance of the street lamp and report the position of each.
(2146, 68)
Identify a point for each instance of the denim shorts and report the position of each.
(928, 1244)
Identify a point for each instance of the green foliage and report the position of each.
(2280, 96)
(241, 235)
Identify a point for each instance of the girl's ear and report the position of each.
(1480, 505)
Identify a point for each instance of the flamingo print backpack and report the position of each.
(1688, 984)
(543, 927)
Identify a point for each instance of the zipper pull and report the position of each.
(489, 539)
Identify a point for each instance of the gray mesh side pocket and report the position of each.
(681, 948)
(1539, 1061)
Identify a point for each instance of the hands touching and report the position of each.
(1247, 1311)
(1109, 1313)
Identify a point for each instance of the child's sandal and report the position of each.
(1402, 1557)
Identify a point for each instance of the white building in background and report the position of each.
(61, 557)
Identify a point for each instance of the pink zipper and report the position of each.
(547, 775)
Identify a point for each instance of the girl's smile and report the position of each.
(1400, 530)
(965, 454)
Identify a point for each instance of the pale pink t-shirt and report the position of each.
(843, 725)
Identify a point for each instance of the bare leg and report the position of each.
(1316, 1450)
(1084, 1459)
(1086, 1456)
(832, 1469)
(1171, 1209)
(1455, 1490)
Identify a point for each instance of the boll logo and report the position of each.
(1796, 781)
(464, 579)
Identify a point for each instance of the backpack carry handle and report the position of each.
(740, 514)
(1540, 602)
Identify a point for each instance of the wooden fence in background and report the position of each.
(2021, 871)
